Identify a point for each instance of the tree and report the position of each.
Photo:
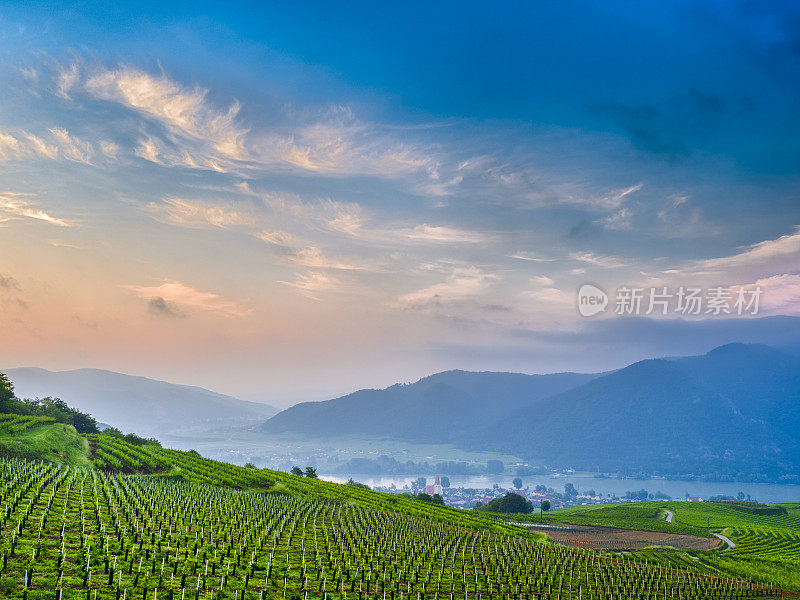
(445, 481)
(544, 506)
(570, 491)
(311, 472)
(435, 499)
(510, 503)
(297, 471)
(249, 466)
(518, 483)
(7, 397)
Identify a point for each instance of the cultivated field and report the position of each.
(83, 533)
(612, 538)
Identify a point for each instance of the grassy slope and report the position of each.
(57, 443)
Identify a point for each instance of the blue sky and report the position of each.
(315, 197)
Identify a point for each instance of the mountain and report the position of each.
(733, 413)
(138, 404)
(440, 408)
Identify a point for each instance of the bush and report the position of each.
(510, 503)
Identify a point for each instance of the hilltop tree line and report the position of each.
(44, 407)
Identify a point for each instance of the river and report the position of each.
(762, 492)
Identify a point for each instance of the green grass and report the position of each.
(56, 442)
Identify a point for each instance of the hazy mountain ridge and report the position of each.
(138, 404)
(734, 411)
(443, 407)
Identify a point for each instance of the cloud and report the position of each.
(276, 237)
(311, 284)
(160, 307)
(182, 212)
(67, 79)
(72, 148)
(442, 234)
(463, 282)
(598, 260)
(148, 149)
(59, 144)
(780, 294)
(529, 257)
(174, 293)
(14, 207)
(777, 255)
(8, 283)
(313, 257)
(184, 112)
(619, 220)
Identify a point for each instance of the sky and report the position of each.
(291, 201)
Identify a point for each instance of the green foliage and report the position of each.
(297, 471)
(130, 438)
(311, 472)
(510, 503)
(435, 499)
(354, 483)
(7, 397)
(517, 483)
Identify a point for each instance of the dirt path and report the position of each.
(669, 515)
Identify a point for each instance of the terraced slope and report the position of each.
(83, 533)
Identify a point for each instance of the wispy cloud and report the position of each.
(56, 144)
(311, 284)
(768, 257)
(179, 294)
(185, 112)
(184, 212)
(463, 282)
(598, 260)
(13, 205)
(530, 257)
(312, 257)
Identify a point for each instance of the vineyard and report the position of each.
(766, 538)
(84, 533)
(15, 424)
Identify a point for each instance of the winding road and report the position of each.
(726, 540)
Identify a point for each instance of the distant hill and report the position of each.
(138, 404)
(441, 408)
(734, 412)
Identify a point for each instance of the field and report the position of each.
(181, 526)
(766, 538)
(613, 538)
